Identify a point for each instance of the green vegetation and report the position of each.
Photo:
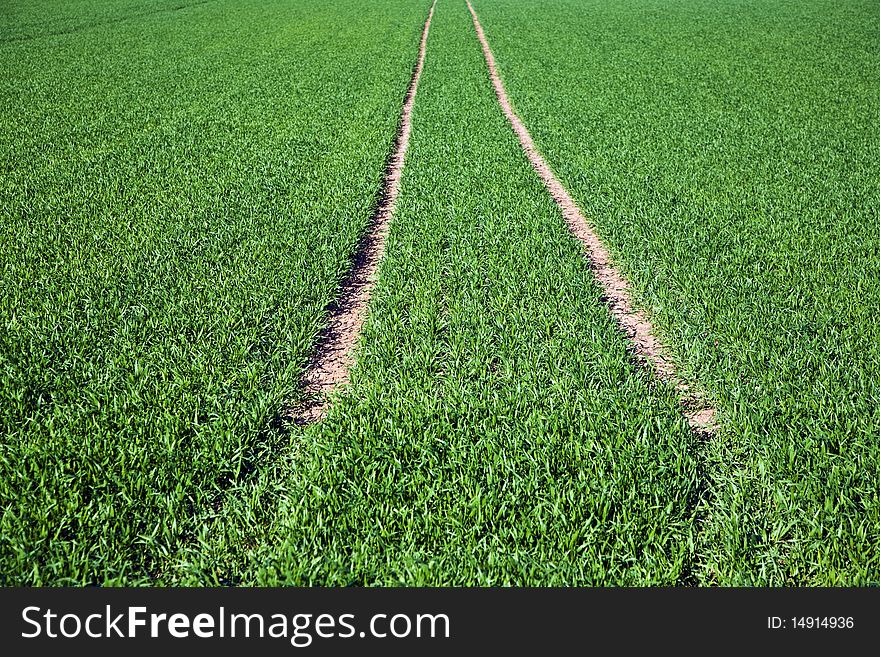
(729, 153)
(21, 20)
(181, 192)
(495, 431)
(182, 187)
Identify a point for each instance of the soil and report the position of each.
(633, 322)
(334, 354)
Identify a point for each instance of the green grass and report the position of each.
(181, 192)
(22, 20)
(495, 431)
(729, 153)
(182, 186)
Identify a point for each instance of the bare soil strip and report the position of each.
(334, 354)
(633, 322)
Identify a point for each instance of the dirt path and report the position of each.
(633, 322)
(334, 354)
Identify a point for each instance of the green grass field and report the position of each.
(494, 432)
(181, 193)
(183, 188)
(729, 154)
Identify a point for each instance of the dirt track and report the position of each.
(633, 322)
(334, 354)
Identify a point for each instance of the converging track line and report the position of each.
(633, 322)
(334, 354)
